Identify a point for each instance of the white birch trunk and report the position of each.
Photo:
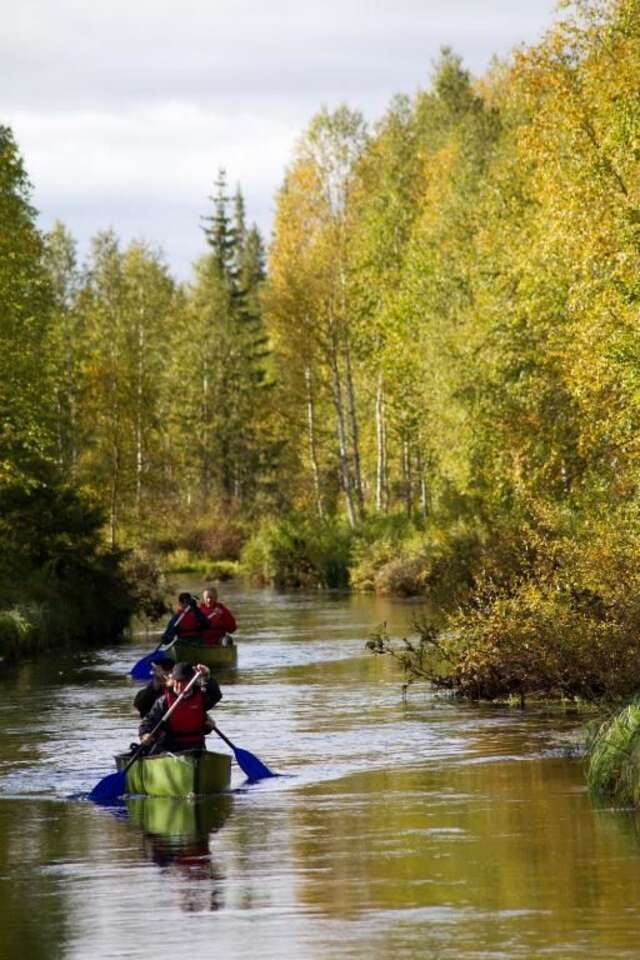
(381, 448)
(345, 473)
(313, 456)
(353, 422)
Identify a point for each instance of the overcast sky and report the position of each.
(125, 110)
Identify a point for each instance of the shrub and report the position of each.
(410, 562)
(368, 560)
(563, 620)
(300, 552)
(403, 576)
(214, 538)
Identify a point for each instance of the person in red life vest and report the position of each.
(187, 726)
(186, 622)
(220, 620)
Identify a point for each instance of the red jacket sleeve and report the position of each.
(227, 619)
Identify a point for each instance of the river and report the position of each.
(404, 830)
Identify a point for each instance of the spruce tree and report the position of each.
(219, 232)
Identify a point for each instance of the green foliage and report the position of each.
(183, 561)
(613, 757)
(300, 552)
(25, 308)
(58, 583)
(557, 619)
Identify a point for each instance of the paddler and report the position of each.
(161, 666)
(187, 621)
(188, 724)
(220, 620)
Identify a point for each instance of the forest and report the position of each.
(426, 383)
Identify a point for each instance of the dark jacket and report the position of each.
(212, 695)
(147, 696)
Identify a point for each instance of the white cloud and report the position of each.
(124, 111)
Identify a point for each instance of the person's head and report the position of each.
(162, 667)
(182, 673)
(210, 596)
(184, 599)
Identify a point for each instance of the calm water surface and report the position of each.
(411, 830)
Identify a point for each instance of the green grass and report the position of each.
(613, 757)
(183, 561)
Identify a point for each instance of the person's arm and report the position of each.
(170, 629)
(210, 688)
(154, 716)
(227, 620)
(203, 621)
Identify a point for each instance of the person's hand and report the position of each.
(145, 739)
(202, 669)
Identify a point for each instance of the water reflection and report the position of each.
(177, 838)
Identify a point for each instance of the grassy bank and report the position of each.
(613, 757)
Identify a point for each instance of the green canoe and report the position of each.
(186, 774)
(195, 651)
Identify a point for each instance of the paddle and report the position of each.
(253, 768)
(142, 669)
(114, 785)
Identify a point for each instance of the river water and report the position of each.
(417, 829)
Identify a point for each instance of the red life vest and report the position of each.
(221, 621)
(188, 626)
(187, 722)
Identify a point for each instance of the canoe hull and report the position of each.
(187, 774)
(218, 657)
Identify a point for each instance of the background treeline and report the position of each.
(453, 305)
(433, 387)
(158, 386)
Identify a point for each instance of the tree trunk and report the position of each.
(113, 496)
(424, 506)
(381, 449)
(353, 422)
(205, 466)
(313, 455)
(343, 455)
(406, 477)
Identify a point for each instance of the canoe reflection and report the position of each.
(177, 837)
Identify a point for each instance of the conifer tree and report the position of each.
(25, 311)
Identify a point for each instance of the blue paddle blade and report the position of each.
(109, 788)
(142, 669)
(253, 768)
